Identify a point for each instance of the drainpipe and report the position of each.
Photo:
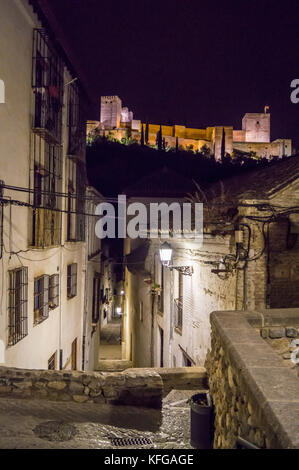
(85, 297)
(60, 307)
(153, 317)
(268, 292)
(152, 331)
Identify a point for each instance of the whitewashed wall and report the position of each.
(65, 322)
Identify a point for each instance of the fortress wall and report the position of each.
(191, 133)
(278, 147)
(239, 136)
(179, 131)
(281, 147)
(261, 149)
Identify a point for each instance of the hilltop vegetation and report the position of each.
(113, 166)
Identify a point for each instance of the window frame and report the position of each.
(17, 305)
(41, 312)
(96, 298)
(72, 280)
(52, 286)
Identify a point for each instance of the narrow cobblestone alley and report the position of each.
(95, 425)
(110, 341)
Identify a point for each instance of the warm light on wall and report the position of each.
(166, 256)
(2, 92)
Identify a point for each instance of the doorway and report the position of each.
(74, 355)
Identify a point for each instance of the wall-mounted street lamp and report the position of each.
(166, 256)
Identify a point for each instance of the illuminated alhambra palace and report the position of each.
(253, 137)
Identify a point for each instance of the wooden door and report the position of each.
(74, 354)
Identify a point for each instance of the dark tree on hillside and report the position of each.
(159, 138)
(142, 136)
(223, 145)
(113, 166)
(177, 144)
(146, 133)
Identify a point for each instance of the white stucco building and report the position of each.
(42, 168)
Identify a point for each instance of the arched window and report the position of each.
(2, 92)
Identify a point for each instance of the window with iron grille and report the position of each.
(47, 85)
(52, 362)
(76, 122)
(76, 201)
(179, 304)
(46, 184)
(41, 298)
(54, 291)
(17, 305)
(96, 298)
(72, 280)
(80, 202)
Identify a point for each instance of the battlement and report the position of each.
(110, 99)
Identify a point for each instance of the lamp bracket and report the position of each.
(185, 270)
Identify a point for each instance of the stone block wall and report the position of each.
(183, 378)
(283, 265)
(254, 391)
(138, 387)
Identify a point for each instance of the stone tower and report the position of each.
(256, 127)
(110, 111)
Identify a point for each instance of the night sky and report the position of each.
(196, 63)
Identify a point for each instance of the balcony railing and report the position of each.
(47, 85)
(76, 123)
(46, 228)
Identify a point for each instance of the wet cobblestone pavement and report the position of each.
(96, 424)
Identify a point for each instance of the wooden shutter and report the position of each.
(74, 279)
(69, 280)
(44, 295)
(54, 291)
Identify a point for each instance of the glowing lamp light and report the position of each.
(165, 257)
(122, 292)
(118, 310)
(165, 253)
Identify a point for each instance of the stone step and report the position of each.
(114, 365)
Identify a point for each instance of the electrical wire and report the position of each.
(265, 220)
(260, 206)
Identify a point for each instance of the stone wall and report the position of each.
(183, 378)
(255, 392)
(138, 387)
